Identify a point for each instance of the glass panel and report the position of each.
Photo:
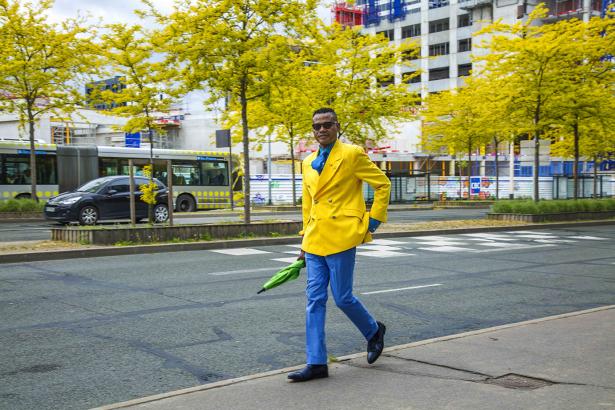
(186, 173)
(215, 173)
(46, 170)
(17, 169)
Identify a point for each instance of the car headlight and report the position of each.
(70, 201)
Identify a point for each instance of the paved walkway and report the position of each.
(559, 362)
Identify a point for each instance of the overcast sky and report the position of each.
(116, 11)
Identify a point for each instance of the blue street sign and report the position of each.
(475, 185)
(132, 140)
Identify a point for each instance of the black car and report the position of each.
(105, 198)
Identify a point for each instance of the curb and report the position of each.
(240, 243)
(229, 382)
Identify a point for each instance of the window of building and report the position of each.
(463, 70)
(438, 25)
(413, 30)
(463, 20)
(386, 81)
(410, 55)
(411, 77)
(464, 45)
(439, 49)
(434, 4)
(438, 73)
(390, 34)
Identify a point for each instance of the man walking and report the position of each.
(334, 223)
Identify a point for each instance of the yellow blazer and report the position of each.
(334, 215)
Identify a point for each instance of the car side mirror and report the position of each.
(111, 192)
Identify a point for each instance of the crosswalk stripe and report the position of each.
(399, 289)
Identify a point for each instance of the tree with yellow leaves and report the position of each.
(147, 89)
(458, 120)
(527, 61)
(41, 65)
(352, 72)
(223, 45)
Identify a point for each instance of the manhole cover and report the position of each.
(517, 381)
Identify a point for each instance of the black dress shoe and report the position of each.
(309, 372)
(376, 344)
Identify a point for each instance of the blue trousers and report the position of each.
(337, 269)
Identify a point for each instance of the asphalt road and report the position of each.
(37, 231)
(86, 332)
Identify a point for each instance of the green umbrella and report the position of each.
(288, 273)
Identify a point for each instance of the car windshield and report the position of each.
(92, 186)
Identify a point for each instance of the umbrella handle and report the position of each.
(261, 291)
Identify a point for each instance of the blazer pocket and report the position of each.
(353, 212)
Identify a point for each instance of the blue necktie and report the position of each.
(319, 163)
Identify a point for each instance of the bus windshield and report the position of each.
(92, 186)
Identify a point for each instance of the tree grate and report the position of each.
(517, 381)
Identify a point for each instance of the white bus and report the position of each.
(200, 178)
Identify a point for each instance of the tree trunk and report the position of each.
(33, 173)
(596, 195)
(470, 169)
(536, 172)
(246, 149)
(292, 167)
(575, 169)
(497, 170)
(150, 207)
(536, 165)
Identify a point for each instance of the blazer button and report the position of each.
(330, 200)
(333, 217)
(315, 202)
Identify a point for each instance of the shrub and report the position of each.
(30, 205)
(553, 206)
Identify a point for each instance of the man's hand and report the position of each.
(373, 225)
(301, 255)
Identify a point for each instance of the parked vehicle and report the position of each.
(105, 198)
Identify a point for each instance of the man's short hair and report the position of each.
(325, 110)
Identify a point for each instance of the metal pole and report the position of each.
(170, 193)
(131, 183)
(269, 202)
(230, 173)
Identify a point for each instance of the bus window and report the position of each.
(186, 173)
(16, 169)
(215, 173)
(46, 170)
(108, 167)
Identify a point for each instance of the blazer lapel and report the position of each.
(331, 166)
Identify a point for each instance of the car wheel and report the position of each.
(185, 203)
(88, 215)
(161, 213)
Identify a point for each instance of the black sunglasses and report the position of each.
(326, 125)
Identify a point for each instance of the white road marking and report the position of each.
(448, 249)
(370, 247)
(528, 236)
(512, 247)
(386, 242)
(399, 289)
(286, 260)
(555, 241)
(383, 254)
(233, 272)
(295, 246)
(240, 251)
(591, 238)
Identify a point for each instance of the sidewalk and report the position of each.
(559, 362)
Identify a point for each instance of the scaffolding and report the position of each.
(348, 15)
(71, 133)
